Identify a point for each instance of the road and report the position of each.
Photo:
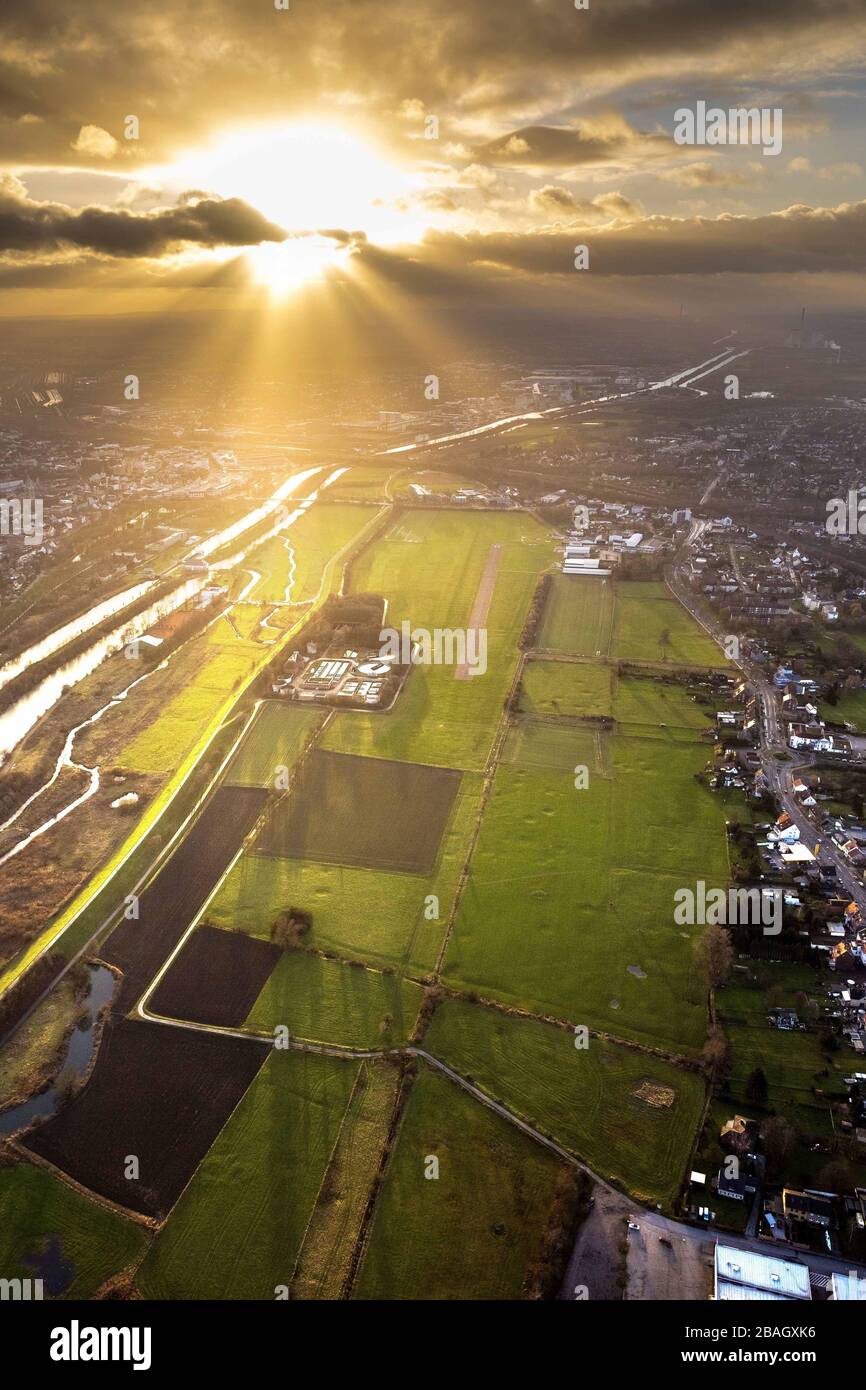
(775, 757)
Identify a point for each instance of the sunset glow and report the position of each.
(309, 179)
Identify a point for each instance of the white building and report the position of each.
(812, 736)
(583, 565)
(848, 1286)
(745, 1275)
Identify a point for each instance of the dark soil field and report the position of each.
(159, 1093)
(166, 908)
(217, 978)
(372, 813)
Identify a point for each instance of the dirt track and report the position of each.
(481, 606)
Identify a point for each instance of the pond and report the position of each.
(79, 1051)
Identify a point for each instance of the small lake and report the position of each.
(79, 1051)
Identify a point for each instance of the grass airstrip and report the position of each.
(429, 565)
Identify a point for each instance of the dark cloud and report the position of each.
(34, 227)
(549, 147)
(504, 80)
(800, 239)
(338, 235)
(562, 147)
(183, 66)
(704, 174)
(555, 201)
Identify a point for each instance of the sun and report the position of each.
(288, 265)
(308, 178)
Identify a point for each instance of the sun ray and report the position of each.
(310, 179)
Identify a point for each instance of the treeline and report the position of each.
(529, 634)
(363, 614)
(642, 567)
(570, 1207)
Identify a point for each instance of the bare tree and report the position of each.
(716, 1053)
(715, 954)
(777, 1137)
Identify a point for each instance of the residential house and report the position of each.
(812, 736)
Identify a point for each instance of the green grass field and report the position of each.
(539, 743)
(644, 613)
(274, 741)
(297, 557)
(653, 709)
(362, 913)
(235, 630)
(569, 905)
(850, 709)
(578, 616)
(429, 565)
(746, 1002)
(794, 1064)
(50, 1231)
(327, 1001)
(237, 1229)
(161, 746)
(663, 820)
(472, 1232)
(325, 1258)
(373, 813)
(566, 687)
(364, 483)
(584, 1098)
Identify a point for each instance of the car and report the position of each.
(632, 1225)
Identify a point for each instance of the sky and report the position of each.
(173, 152)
